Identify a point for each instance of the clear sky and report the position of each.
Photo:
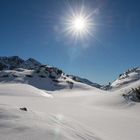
(35, 28)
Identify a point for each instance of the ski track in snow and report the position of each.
(73, 129)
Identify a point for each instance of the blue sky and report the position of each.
(34, 28)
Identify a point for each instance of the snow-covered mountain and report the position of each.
(14, 69)
(83, 80)
(129, 76)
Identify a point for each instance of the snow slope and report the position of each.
(40, 80)
(70, 115)
(131, 75)
(21, 90)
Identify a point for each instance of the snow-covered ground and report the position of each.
(127, 77)
(90, 114)
(64, 107)
(40, 80)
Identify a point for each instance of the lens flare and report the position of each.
(78, 23)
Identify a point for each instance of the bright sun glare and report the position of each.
(79, 23)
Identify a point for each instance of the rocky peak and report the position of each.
(12, 62)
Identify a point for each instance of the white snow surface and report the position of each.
(32, 78)
(127, 77)
(77, 114)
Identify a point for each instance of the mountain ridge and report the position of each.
(16, 63)
(11, 67)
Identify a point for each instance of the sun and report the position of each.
(78, 23)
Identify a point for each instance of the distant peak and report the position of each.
(13, 62)
(32, 60)
(16, 57)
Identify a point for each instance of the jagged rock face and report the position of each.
(30, 64)
(10, 62)
(13, 62)
(2, 66)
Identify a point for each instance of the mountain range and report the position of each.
(31, 71)
(15, 69)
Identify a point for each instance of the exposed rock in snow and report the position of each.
(133, 95)
(30, 64)
(10, 62)
(83, 80)
(129, 76)
(15, 69)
